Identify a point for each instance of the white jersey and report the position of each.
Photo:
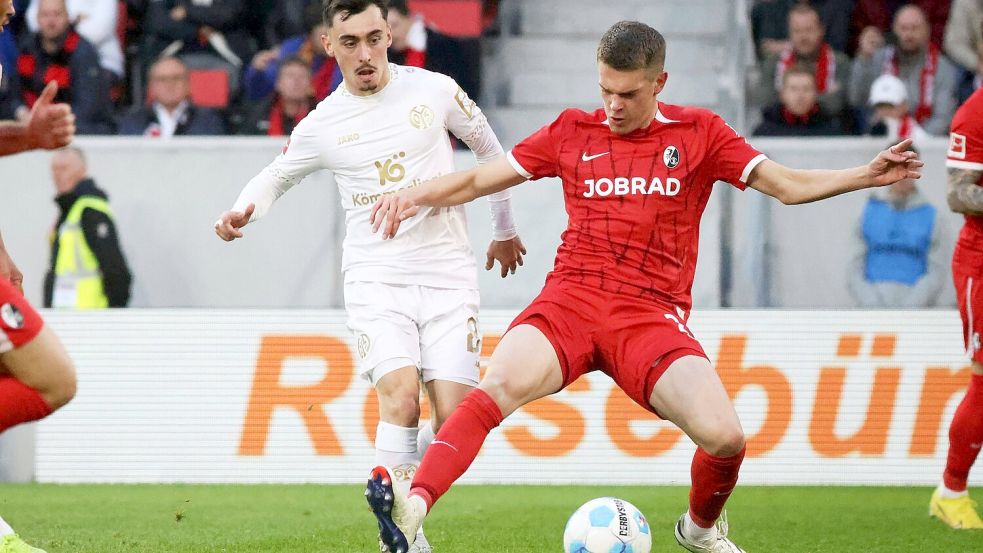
(393, 139)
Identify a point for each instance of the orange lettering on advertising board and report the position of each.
(621, 412)
(570, 425)
(938, 387)
(871, 438)
(268, 393)
(777, 388)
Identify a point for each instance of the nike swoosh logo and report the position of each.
(435, 442)
(586, 157)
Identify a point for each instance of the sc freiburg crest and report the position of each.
(671, 157)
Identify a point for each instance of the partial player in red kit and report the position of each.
(36, 374)
(950, 502)
(636, 178)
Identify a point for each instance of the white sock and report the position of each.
(5, 528)
(424, 438)
(697, 533)
(946, 493)
(395, 447)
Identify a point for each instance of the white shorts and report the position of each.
(432, 329)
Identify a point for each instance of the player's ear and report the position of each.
(660, 81)
(389, 35)
(326, 43)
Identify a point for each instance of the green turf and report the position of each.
(470, 519)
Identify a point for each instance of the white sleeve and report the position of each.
(300, 157)
(31, 16)
(98, 25)
(466, 120)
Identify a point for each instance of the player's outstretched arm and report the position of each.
(228, 224)
(450, 190)
(963, 193)
(49, 126)
(800, 186)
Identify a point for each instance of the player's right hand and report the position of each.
(390, 210)
(50, 126)
(228, 224)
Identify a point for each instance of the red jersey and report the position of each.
(634, 201)
(966, 152)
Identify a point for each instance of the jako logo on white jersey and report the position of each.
(622, 186)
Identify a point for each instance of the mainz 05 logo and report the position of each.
(390, 171)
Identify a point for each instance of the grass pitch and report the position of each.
(470, 519)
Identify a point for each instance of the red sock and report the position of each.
(456, 445)
(965, 436)
(713, 480)
(20, 403)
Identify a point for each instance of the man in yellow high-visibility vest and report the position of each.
(88, 269)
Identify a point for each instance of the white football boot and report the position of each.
(716, 542)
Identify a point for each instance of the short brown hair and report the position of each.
(799, 69)
(348, 8)
(804, 8)
(631, 45)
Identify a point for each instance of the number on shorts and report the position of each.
(474, 339)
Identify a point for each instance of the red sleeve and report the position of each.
(731, 156)
(537, 156)
(966, 137)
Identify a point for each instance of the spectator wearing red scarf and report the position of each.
(879, 14)
(260, 78)
(292, 100)
(798, 113)
(931, 79)
(57, 53)
(807, 47)
(417, 45)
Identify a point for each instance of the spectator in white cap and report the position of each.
(889, 111)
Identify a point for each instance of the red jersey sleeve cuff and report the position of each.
(518, 166)
(957, 164)
(746, 173)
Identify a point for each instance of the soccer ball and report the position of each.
(607, 525)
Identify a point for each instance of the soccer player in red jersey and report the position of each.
(636, 177)
(36, 374)
(950, 502)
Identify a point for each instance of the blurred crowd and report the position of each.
(197, 67)
(892, 68)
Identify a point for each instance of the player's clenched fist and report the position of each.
(228, 225)
(391, 210)
(50, 126)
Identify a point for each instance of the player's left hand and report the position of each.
(895, 164)
(508, 253)
(10, 272)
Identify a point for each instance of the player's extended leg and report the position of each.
(950, 502)
(691, 395)
(396, 433)
(523, 368)
(36, 379)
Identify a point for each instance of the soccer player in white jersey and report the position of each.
(412, 301)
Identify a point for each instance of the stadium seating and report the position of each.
(544, 60)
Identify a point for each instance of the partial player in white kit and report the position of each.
(412, 301)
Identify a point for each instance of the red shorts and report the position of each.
(630, 339)
(969, 296)
(19, 322)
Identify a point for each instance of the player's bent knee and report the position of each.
(402, 409)
(726, 442)
(62, 390)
